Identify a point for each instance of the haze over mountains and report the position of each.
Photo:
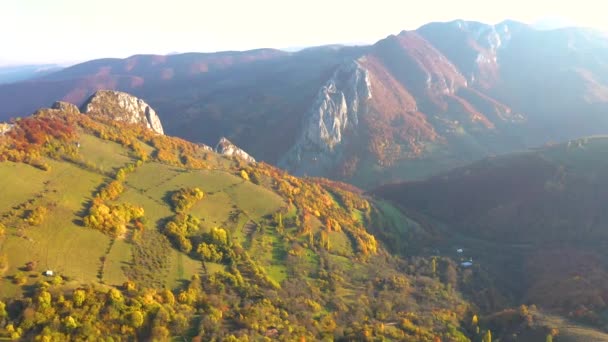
(201, 238)
(407, 106)
(9, 74)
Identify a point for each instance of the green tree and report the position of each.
(219, 236)
(44, 299)
(70, 323)
(3, 312)
(209, 252)
(488, 336)
(136, 319)
(279, 219)
(115, 296)
(36, 217)
(79, 297)
(168, 296)
(3, 263)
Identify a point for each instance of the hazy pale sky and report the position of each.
(67, 31)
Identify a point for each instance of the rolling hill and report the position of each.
(111, 230)
(410, 105)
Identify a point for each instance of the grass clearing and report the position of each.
(155, 210)
(115, 260)
(213, 210)
(67, 249)
(394, 216)
(104, 154)
(151, 175)
(340, 243)
(19, 182)
(181, 268)
(276, 268)
(60, 243)
(213, 267)
(209, 180)
(255, 200)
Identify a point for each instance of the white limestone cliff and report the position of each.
(335, 112)
(227, 148)
(123, 107)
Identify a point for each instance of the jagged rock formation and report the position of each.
(227, 148)
(66, 107)
(206, 147)
(337, 106)
(474, 47)
(335, 112)
(4, 128)
(123, 107)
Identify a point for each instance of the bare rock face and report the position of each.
(66, 107)
(334, 114)
(5, 128)
(337, 106)
(123, 107)
(227, 148)
(206, 147)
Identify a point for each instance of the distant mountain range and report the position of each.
(182, 239)
(9, 74)
(410, 105)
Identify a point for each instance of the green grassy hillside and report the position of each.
(153, 238)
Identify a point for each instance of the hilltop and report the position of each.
(111, 229)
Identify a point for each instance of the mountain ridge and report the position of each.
(449, 93)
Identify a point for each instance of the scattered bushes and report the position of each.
(36, 216)
(112, 219)
(184, 199)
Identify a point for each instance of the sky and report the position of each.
(69, 31)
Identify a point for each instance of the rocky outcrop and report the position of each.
(337, 106)
(123, 107)
(205, 147)
(5, 128)
(334, 113)
(227, 148)
(66, 107)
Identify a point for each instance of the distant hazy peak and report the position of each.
(123, 107)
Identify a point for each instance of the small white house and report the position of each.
(466, 264)
(49, 273)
